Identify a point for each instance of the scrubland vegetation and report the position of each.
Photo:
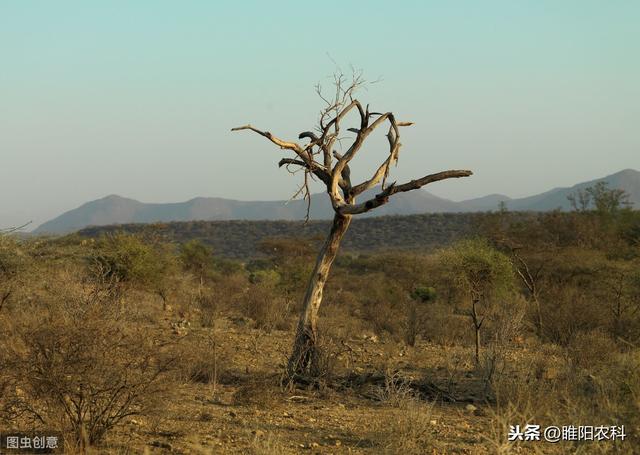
(129, 343)
(241, 239)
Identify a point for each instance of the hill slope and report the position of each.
(628, 180)
(118, 210)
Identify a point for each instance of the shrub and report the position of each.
(209, 307)
(395, 389)
(268, 309)
(444, 327)
(591, 349)
(570, 310)
(199, 360)
(122, 258)
(424, 294)
(384, 304)
(408, 431)
(265, 276)
(75, 366)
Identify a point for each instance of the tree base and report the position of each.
(302, 358)
(306, 366)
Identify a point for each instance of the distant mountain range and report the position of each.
(119, 210)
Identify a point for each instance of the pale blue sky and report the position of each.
(137, 97)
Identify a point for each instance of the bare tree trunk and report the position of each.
(539, 328)
(304, 347)
(477, 345)
(477, 324)
(530, 281)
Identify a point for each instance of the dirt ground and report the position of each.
(244, 409)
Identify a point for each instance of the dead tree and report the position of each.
(530, 278)
(319, 160)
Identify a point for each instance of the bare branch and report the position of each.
(314, 168)
(393, 137)
(383, 197)
(310, 135)
(287, 161)
(14, 229)
(301, 152)
(365, 130)
(382, 171)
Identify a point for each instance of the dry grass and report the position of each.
(202, 374)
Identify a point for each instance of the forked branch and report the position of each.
(305, 155)
(383, 197)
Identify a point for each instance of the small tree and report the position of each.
(197, 258)
(124, 258)
(604, 200)
(530, 277)
(319, 160)
(481, 273)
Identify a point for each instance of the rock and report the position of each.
(470, 408)
(338, 443)
(433, 422)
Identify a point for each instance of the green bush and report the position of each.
(123, 258)
(424, 294)
(197, 258)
